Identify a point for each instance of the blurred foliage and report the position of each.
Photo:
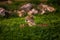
(10, 27)
(54, 1)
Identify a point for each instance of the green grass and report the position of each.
(10, 27)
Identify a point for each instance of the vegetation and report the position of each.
(10, 27)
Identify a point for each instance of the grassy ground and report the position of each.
(10, 27)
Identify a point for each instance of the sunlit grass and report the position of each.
(10, 27)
